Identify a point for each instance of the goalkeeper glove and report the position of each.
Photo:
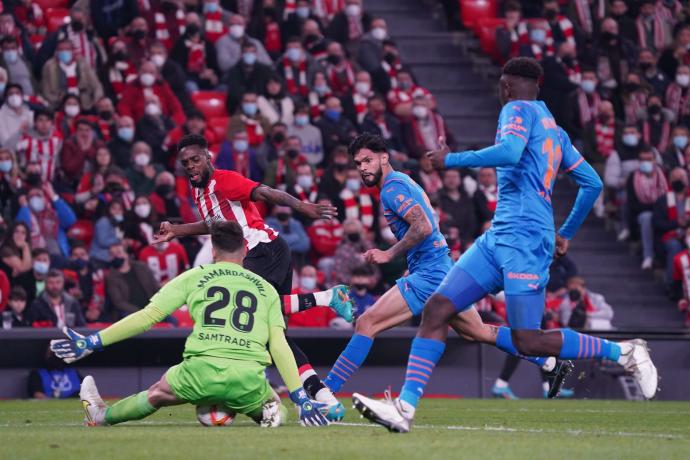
(76, 346)
(309, 411)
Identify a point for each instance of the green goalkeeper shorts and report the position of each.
(239, 385)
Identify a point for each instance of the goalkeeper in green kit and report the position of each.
(238, 327)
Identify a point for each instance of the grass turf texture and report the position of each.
(494, 429)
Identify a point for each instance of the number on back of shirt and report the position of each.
(241, 316)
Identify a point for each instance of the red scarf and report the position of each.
(491, 194)
(358, 207)
(659, 40)
(605, 137)
(214, 27)
(649, 188)
(302, 194)
(71, 77)
(328, 8)
(360, 103)
(663, 139)
(299, 86)
(241, 162)
(438, 126)
(82, 46)
(255, 133)
(317, 104)
(119, 75)
(43, 225)
(161, 26)
(538, 49)
(104, 127)
(272, 41)
(196, 57)
(341, 81)
(672, 213)
(392, 72)
(589, 106)
(678, 100)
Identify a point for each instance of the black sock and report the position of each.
(306, 301)
(509, 366)
(312, 383)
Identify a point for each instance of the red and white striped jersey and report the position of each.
(44, 151)
(227, 197)
(166, 264)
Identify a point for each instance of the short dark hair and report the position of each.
(512, 6)
(7, 39)
(525, 67)
(227, 236)
(55, 273)
(645, 148)
(195, 115)
(10, 86)
(17, 293)
(42, 112)
(39, 251)
(192, 139)
(370, 141)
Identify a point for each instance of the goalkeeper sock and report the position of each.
(349, 361)
(134, 407)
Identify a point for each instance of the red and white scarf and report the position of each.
(663, 138)
(678, 100)
(636, 102)
(341, 81)
(358, 207)
(360, 103)
(214, 28)
(588, 105)
(439, 129)
(82, 47)
(317, 104)
(161, 27)
(44, 225)
(491, 195)
(304, 197)
(71, 77)
(354, 27)
(296, 86)
(104, 127)
(684, 259)
(566, 27)
(392, 72)
(672, 213)
(119, 75)
(605, 135)
(539, 50)
(649, 188)
(42, 151)
(196, 57)
(659, 31)
(328, 8)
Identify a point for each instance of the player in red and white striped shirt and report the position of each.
(229, 196)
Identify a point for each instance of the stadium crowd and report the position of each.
(95, 95)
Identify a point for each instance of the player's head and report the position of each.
(227, 241)
(519, 80)
(192, 150)
(370, 154)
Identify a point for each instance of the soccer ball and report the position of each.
(215, 415)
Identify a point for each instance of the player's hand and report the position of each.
(76, 346)
(438, 156)
(377, 256)
(309, 411)
(318, 211)
(561, 246)
(166, 233)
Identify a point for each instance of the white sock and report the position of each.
(545, 386)
(501, 383)
(549, 365)
(408, 409)
(324, 297)
(626, 350)
(324, 395)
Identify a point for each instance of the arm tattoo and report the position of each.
(420, 228)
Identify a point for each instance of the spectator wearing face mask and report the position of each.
(319, 94)
(18, 68)
(281, 172)
(48, 217)
(108, 230)
(340, 72)
(356, 104)
(140, 224)
(215, 20)
(165, 260)
(15, 116)
(671, 215)
(198, 57)
(129, 284)
(674, 157)
(168, 202)
(248, 119)
(274, 104)
(370, 52)
(677, 98)
(600, 135)
(118, 71)
(560, 28)
(138, 93)
(10, 183)
(678, 54)
(239, 156)
(622, 162)
(78, 152)
(653, 31)
(305, 188)
(41, 144)
(644, 187)
(325, 236)
(92, 184)
(308, 134)
(656, 125)
(562, 78)
(292, 231)
(333, 179)
(587, 100)
(246, 76)
(139, 39)
(319, 316)
(142, 170)
(357, 202)
(194, 124)
(66, 73)
(350, 251)
(470, 213)
(424, 128)
(66, 117)
(88, 283)
(349, 25)
(379, 121)
(153, 128)
(231, 46)
(614, 54)
(681, 278)
(335, 128)
(40, 268)
(315, 43)
(646, 61)
(53, 304)
(401, 99)
(294, 22)
(634, 95)
(105, 123)
(172, 73)
(360, 293)
(121, 144)
(297, 68)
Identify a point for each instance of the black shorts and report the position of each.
(273, 262)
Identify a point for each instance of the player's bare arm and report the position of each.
(168, 231)
(280, 198)
(420, 228)
(562, 244)
(438, 156)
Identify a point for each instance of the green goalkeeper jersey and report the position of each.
(233, 310)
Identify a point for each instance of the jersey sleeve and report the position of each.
(398, 198)
(275, 311)
(174, 294)
(234, 186)
(515, 122)
(571, 156)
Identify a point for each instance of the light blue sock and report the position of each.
(424, 355)
(581, 346)
(349, 361)
(504, 342)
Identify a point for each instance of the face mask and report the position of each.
(236, 31)
(141, 159)
(117, 262)
(302, 12)
(379, 33)
(249, 108)
(340, 166)
(677, 186)
(240, 145)
(294, 54)
(33, 179)
(420, 111)
(72, 110)
(142, 210)
(360, 289)
(362, 87)
(333, 115)
(158, 60)
(646, 167)
(283, 216)
(41, 267)
(79, 264)
(210, 7)
(303, 181)
(353, 185)
(631, 140)
(278, 137)
(77, 26)
(574, 295)
(5, 166)
(139, 34)
(37, 204)
(118, 218)
(65, 56)
(152, 110)
(106, 115)
(588, 86)
(10, 56)
(292, 153)
(654, 110)
(683, 80)
(680, 141)
(249, 58)
(334, 59)
(354, 237)
(537, 35)
(645, 66)
(405, 85)
(301, 120)
(389, 58)
(321, 89)
(147, 79)
(353, 10)
(307, 283)
(120, 55)
(15, 101)
(126, 134)
(164, 189)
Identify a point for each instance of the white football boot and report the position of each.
(636, 360)
(93, 404)
(387, 412)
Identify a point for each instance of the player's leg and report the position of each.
(388, 311)
(501, 388)
(337, 298)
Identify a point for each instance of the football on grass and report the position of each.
(214, 415)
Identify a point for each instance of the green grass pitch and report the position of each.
(486, 429)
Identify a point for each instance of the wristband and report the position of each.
(91, 342)
(299, 396)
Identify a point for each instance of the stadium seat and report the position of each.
(210, 103)
(219, 126)
(82, 230)
(486, 32)
(48, 4)
(473, 10)
(56, 18)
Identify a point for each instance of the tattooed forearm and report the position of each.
(420, 228)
